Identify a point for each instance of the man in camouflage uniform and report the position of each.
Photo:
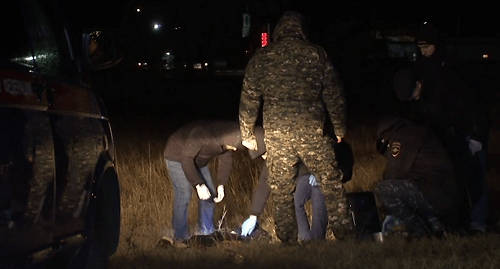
(295, 81)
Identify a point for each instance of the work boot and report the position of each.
(167, 241)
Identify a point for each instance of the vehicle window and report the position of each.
(15, 45)
(50, 48)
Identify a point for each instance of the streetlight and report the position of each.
(138, 10)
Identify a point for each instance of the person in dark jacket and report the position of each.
(306, 189)
(187, 153)
(295, 81)
(446, 102)
(419, 185)
(441, 99)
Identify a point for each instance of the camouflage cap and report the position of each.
(291, 24)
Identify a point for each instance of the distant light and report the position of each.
(157, 26)
(425, 22)
(264, 39)
(145, 63)
(139, 64)
(138, 10)
(486, 56)
(168, 53)
(206, 64)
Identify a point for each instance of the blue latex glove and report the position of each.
(249, 225)
(312, 181)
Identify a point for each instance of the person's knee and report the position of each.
(182, 196)
(299, 204)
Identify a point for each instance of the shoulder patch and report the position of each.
(395, 149)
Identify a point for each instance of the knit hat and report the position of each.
(427, 34)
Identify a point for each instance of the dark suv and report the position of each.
(59, 190)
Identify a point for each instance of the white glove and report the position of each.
(249, 225)
(203, 192)
(251, 145)
(474, 146)
(220, 194)
(312, 181)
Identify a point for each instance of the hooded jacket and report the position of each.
(295, 81)
(196, 143)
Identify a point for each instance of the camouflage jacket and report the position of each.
(296, 82)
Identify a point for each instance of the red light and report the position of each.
(264, 39)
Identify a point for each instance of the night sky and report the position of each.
(478, 16)
(215, 27)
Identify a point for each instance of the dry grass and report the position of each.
(146, 215)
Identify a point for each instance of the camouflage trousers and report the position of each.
(285, 151)
(403, 200)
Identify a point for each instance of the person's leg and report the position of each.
(182, 195)
(479, 192)
(320, 217)
(206, 208)
(318, 155)
(301, 196)
(402, 199)
(472, 172)
(281, 163)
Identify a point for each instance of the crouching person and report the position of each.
(187, 154)
(418, 186)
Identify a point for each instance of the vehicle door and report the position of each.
(74, 113)
(27, 159)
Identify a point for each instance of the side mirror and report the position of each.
(99, 51)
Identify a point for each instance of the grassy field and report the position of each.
(147, 200)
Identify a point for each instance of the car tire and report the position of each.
(103, 241)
